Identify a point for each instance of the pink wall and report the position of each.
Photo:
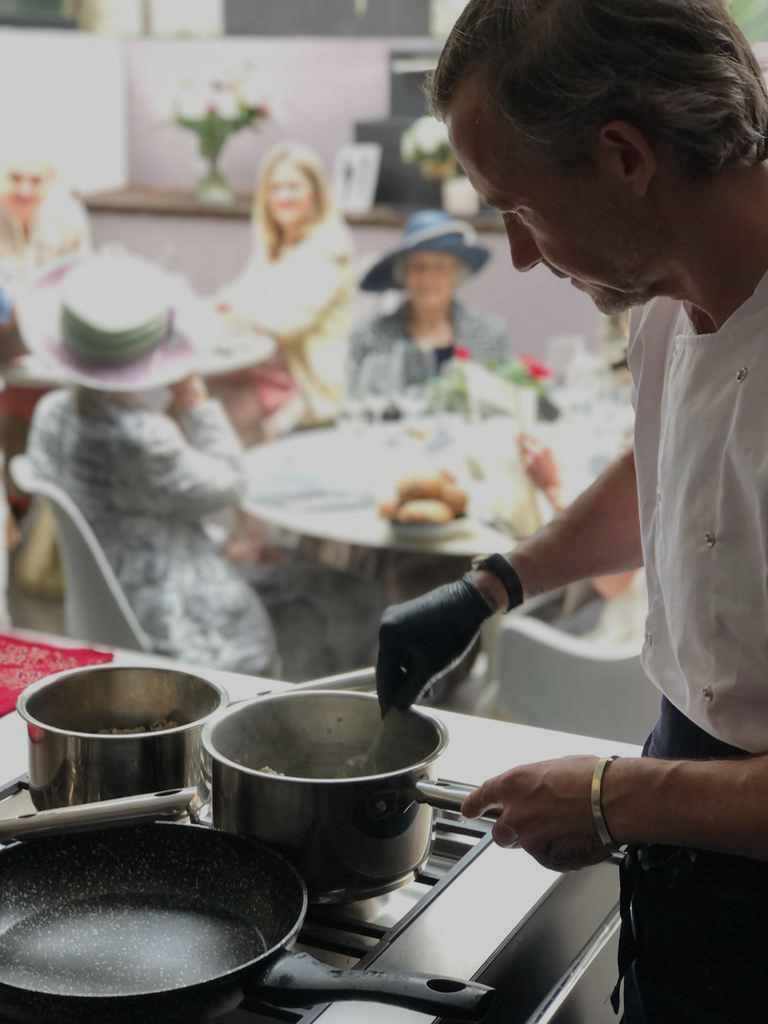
(62, 98)
(210, 251)
(324, 86)
(104, 138)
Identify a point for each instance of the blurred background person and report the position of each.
(146, 455)
(609, 609)
(297, 288)
(406, 347)
(41, 222)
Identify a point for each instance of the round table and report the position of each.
(232, 352)
(325, 484)
(317, 490)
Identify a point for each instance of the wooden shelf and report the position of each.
(167, 202)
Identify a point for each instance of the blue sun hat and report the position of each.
(427, 231)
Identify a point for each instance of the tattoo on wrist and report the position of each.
(576, 855)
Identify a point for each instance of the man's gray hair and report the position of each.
(680, 71)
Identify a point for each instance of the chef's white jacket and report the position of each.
(701, 450)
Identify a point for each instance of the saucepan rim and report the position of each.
(241, 706)
(51, 680)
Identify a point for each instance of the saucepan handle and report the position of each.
(447, 796)
(297, 979)
(128, 810)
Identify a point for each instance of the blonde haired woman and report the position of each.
(297, 287)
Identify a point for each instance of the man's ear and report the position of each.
(623, 152)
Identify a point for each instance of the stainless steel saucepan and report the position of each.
(290, 770)
(113, 731)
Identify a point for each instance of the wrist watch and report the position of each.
(499, 566)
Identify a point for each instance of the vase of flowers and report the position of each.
(214, 110)
(425, 143)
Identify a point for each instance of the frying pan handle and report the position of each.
(447, 796)
(128, 810)
(297, 979)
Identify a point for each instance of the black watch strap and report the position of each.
(499, 566)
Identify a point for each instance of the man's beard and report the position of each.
(611, 301)
(631, 285)
(630, 274)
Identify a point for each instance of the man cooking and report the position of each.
(625, 144)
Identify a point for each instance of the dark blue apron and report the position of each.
(694, 936)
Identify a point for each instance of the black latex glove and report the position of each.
(421, 639)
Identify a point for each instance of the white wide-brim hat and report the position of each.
(175, 356)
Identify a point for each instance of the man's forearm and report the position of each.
(599, 533)
(712, 805)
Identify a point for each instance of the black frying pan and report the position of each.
(167, 922)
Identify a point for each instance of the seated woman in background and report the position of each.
(297, 288)
(41, 223)
(144, 478)
(609, 609)
(408, 346)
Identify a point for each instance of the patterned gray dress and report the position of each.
(144, 482)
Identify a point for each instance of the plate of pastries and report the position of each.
(426, 506)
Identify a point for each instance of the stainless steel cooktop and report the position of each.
(545, 941)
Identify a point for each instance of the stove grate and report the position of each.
(349, 935)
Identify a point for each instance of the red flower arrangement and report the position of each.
(523, 371)
(535, 369)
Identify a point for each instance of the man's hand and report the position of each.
(545, 809)
(422, 638)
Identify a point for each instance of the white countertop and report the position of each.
(497, 892)
(478, 747)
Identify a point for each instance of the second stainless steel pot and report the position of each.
(276, 762)
(71, 761)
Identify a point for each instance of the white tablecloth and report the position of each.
(326, 484)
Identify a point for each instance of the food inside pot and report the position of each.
(324, 736)
(156, 726)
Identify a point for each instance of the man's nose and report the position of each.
(522, 248)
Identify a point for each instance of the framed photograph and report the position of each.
(355, 176)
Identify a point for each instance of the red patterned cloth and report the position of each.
(24, 661)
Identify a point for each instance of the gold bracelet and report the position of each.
(596, 800)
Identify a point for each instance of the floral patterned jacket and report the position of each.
(145, 483)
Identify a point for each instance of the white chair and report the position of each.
(554, 680)
(95, 608)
